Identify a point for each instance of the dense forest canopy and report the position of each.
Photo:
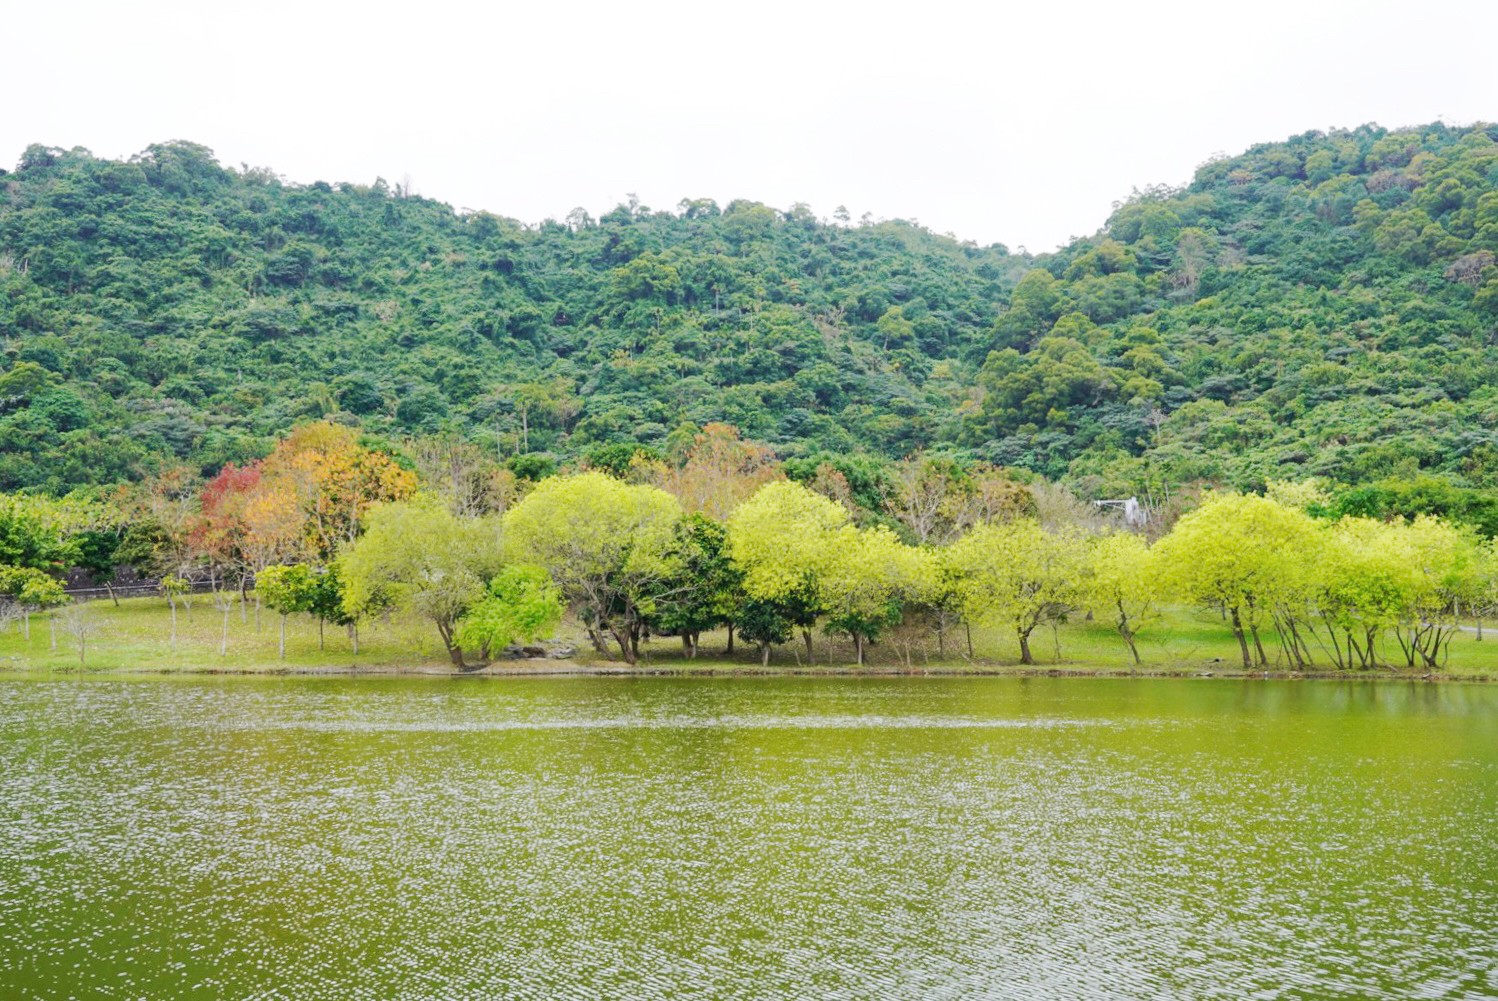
(1326, 306)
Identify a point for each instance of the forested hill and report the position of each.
(1323, 306)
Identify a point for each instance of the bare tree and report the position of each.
(1056, 507)
(464, 475)
(79, 622)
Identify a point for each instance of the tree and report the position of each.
(764, 624)
(1018, 575)
(30, 590)
(173, 587)
(286, 590)
(1124, 585)
(78, 621)
(418, 556)
(1365, 582)
(32, 534)
(1244, 554)
(522, 604)
(335, 481)
(607, 544)
(781, 540)
(327, 604)
(720, 471)
(97, 550)
(705, 591)
(162, 512)
(869, 576)
(1448, 573)
(467, 477)
(928, 497)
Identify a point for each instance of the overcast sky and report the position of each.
(998, 122)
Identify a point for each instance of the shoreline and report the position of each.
(573, 669)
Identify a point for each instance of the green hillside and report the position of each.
(1324, 306)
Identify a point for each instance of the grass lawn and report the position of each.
(136, 635)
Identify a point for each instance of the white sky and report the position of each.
(1019, 123)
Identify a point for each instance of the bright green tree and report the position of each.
(286, 590)
(1448, 569)
(522, 604)
(1366, 578)
(30, 590)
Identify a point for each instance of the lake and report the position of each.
(596, 837)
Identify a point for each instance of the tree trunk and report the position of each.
(764, 655)
(968, 628)
(1259, 647)
(806, 634)
(116, 598)
(353, 635)
(1025, 657)
(320, 647)
(282, 650)
(1248, 661)
(729, 651)
(858, 648)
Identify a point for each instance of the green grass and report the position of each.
(1186, 641)
(136, 636)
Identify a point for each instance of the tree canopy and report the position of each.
(1325, 305)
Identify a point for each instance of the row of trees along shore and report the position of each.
(727, 538)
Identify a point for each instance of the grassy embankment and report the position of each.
(136, 636)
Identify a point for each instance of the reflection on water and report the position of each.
(828, 838)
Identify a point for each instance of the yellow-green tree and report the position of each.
(418, 556)
(1017, 575)
(606, 543)
(1123, 585)
(868, 577)
(1366, 578)
(1244, 554)
(1448, 574)
(782, 541)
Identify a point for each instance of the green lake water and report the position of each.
(747, 838)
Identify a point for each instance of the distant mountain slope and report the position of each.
(1321, 306)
